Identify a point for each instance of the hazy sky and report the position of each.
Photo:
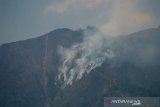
(22, 19)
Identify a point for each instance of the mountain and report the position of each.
(38, 72)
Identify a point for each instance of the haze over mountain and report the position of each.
(24, 19)
(66, 68)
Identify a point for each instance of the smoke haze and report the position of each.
(80, 59)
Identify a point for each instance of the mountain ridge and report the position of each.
(22, 75)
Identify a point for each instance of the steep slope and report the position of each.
(29, 69)
(134, 71)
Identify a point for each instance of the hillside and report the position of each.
(29, 69)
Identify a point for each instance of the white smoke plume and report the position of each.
(80, 59)
(126, 16)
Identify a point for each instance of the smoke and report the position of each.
(80, 59)
(126, 16)
(114, 17)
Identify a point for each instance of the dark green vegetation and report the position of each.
(134, 71)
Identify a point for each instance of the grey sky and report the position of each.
(22, 19)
